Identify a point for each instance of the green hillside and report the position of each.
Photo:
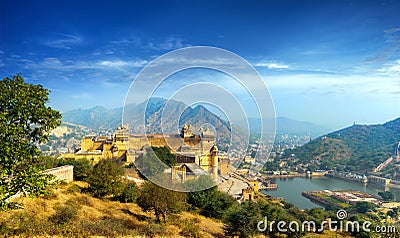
(356, 148)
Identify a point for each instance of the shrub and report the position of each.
(189, 228)
(129, 194)
(50, 195)
(3, 228)
(65, 213)
(74, 189)
(211, 202)
(155, 229)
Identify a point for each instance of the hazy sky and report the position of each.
(328, 62)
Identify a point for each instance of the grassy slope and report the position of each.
(97, 217)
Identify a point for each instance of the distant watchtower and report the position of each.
(187, 131)
(122, 133)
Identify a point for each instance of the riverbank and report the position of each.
(356, 178)
(341, 198)
(293, 175)
(291, 188)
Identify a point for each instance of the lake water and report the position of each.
(290, 189)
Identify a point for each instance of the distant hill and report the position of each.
(356, 148)
(290, 126)
(96, 118)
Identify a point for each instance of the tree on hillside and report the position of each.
(364, 207)
(387, 195)
(211, 202)
(160, 200)
(25, 122)
(129, 194)
(242, 220)
(106, 179)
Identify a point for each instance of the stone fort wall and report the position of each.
(63, 173)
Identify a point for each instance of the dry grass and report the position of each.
(205, 227)
(328, 234)
(73, 214)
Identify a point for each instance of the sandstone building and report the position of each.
(195, 153)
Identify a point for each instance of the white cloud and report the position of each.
(107, 73)
(134, 40)
(392, 34)
(272, 65)
(64, 41)
(169, 43)
(324, 84)
(121, 63)
(68, 65)
(392, 69)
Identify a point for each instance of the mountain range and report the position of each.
(100, 118)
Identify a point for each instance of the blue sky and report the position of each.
(328, 62)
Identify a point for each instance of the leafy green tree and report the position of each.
(106, 179)
(271, 166)
(211, 202)
(25, 123)
(82, 167)
(387, 195)
(242, 220)
(319, 215)
(393, 213)
(363, 207)
(129, 194)
(48, 162)
(218, 204)
(161, 200)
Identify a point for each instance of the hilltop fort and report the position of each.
(196, 153)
